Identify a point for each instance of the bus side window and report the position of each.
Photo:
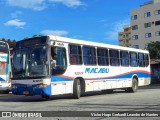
(89, 55)
(146, 59)
(102, 55)
(114, 57)
(75, 55)
(133, 59)
(141, 61)
(124, 58)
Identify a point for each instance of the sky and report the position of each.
(91, 20)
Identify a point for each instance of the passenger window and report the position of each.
(146, 59)
(141, 61)
(89, 55)
(75, 55)
(114, 57)
(102, 55)
(124, 58)
(133, 59)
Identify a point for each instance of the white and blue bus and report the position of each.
(52, 65)
(5, 68)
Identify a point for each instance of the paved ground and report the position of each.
(146, 99)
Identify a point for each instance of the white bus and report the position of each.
(5, 68)
(51, 65)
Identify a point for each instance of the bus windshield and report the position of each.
(30, 62)
(4, 47)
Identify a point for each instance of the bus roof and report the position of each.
(43, 40)
(95, 44)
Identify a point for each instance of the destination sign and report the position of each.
(32, 41)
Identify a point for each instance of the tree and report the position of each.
(154, 50)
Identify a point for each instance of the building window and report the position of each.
(146, 45)
(127, 41)
(135, 27)
(147, 14)
(157, 12)
(146, 25)
(148, 35)
(135, 37)
(158, 33)
(134, 17)
(157, 22)
(127, 35)
(136, 46)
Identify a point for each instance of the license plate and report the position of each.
(26, 93)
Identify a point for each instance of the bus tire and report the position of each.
(134, 87)
(47, 97)
(76, 89)
(107, 91)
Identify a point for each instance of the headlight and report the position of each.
(41, 86)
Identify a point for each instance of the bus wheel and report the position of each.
(76, 89)
(107, 91)
(134, 87)
(47, 97)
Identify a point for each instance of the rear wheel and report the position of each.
(134, 87)
(47, 97)
(107, 91)
(76, 89)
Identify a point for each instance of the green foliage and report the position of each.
(154, 50)
(34, 36)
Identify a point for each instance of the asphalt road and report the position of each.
(145, 99)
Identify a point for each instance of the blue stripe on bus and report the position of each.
(129, 75)
(1, 79)
(139, 74)
(3, 57)
(60, 78)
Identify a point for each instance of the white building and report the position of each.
(145, 24)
